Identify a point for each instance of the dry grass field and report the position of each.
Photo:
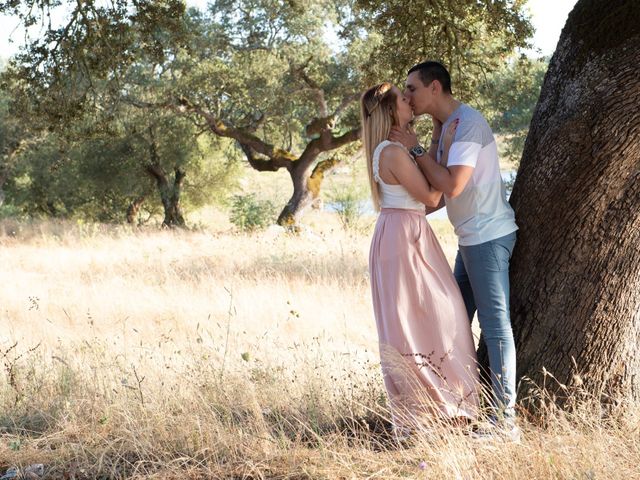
(213, 354)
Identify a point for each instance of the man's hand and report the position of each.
(437, 128)
(407, 138)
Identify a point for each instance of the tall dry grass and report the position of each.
(164, 354)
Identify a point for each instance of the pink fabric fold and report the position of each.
(426, 345)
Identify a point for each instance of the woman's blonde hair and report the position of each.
(378, 114)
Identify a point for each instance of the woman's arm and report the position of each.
(397, 166)
(450, 180)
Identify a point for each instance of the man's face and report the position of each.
(420, 96)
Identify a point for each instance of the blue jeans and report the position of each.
(482, 272)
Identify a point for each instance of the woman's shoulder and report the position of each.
(388, 149)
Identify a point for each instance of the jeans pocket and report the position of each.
(501, 255)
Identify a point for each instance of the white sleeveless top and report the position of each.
(393, 196)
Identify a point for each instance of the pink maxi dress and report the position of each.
(426, 346)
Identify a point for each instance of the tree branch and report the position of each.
(313, 85)
(243, 136)
(319, 126)
(346, 138)
(261, 165)
(325, 143)
(317, 176)
(219, 127)
(252, 145)
(346, 101)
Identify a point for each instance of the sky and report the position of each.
(548, 18)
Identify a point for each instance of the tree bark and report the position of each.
(134, 208)
(306, 179)
(169, 193)
(575, 272)
(173, 216)
(306, 189)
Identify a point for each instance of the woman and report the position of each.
(426, 346)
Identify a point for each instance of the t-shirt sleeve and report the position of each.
(466, 146)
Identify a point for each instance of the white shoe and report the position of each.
(504, 433)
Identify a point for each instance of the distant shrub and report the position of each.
(248, 213)
(349, 203)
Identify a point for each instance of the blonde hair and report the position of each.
(378, 114)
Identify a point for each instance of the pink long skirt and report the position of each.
(426, 346)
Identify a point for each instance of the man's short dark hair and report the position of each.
(430, 71)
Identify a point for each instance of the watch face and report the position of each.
(417, 151)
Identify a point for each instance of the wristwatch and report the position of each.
(417, 151)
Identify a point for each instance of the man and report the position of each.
(483, 219)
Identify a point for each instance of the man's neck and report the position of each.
(445, 107)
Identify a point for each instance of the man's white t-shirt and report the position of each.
(481, 212)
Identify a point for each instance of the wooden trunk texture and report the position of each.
(575, 274)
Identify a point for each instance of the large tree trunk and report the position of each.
(306, 189)
(173, 216)
(576, 268)
(306, 182)
(169, 195)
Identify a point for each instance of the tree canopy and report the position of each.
(266, 75)
(471, 37)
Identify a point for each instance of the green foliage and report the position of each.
(263, 68)
(74, 65)
(215, 174)
(112, 82)
(13, 135)
(249, 214)
(93, 162)
(97, 176)
(9, 211)
(508, 97)
(267, 68)
(350, 203)
(511, 92)
(470, 37)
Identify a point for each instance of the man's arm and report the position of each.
(435, 138)
(429, 210)
(450, 180)
(398, 163)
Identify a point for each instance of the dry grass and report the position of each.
(160, 354)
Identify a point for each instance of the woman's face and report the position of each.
(403, 108)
